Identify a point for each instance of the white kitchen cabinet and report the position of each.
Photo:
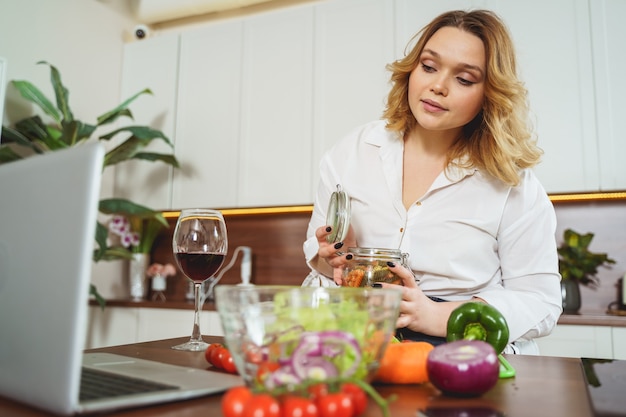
(244, 112)
(111, 326)
(619, 343)
(578, 341)
(276, 117)
(123, 325)
(354, 41)
(259, 98)
(208, 117)
(150, 63)
(411, 16)
(556, 65)
(164, 323)
(608, 35)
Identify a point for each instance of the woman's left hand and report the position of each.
(418, 312)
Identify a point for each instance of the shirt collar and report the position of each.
(387, 140)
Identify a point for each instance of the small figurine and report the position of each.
(159, 273)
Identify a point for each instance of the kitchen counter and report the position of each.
(591, 317)
(543, 386)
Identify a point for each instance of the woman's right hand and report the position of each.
(333, 253)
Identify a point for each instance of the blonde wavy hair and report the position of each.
(499, 140)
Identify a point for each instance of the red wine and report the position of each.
(199, 266)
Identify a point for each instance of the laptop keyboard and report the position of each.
(97, 384)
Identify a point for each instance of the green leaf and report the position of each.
(15, 136)
(120, 110)
(85, 130)
(35, 131)
(8, 155)
(577, 262)
(130, 209)
(117, 252)
(167, 158)
(94, 291)
(61, 93)
(101, 239)
(143, 133)
(32, 94)
(124, 151)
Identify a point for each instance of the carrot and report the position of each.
(404, 363)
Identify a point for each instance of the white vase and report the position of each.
(137, 275)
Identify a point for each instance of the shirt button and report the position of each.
(401, 229)
(419, 203)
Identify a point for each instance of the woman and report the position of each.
(446, 178)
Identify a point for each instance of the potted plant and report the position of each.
(32, 136)
(578, 265)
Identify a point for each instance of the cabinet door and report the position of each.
(576, 341)
(619, 343)
(353, 44)
(111, 326)
(207, 143)
(166, 323)
(411, 16)
(150, 63)
(608, 36)
(275, 153)
(556, 64)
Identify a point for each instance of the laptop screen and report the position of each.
(606, 383)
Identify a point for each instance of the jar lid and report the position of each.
(338, 215)
(376, 252)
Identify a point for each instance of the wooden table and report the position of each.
(543, 386)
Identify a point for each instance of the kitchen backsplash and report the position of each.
(276, 241)
(607, 221)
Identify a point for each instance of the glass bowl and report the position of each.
(284, 336)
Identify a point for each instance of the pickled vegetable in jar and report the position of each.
(369, 265)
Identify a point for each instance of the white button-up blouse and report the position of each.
(469, 235)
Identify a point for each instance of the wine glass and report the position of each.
(199, 244)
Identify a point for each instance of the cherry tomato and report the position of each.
(217, 355)
(357, 396)
(211, 348)
(234, 401)
(228, 363)
(336, 404)
(317, 391)
(253, 353)
(293, 406)
(264, 369)
(262, 405)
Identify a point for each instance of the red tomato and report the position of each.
(211, 348)
(234, 401)
(253, 353)
(265, 368)
(318, 391)
(293, 406)
(217, 355)
(337, 404)
(228, 363)
(262, 405)
(357, 396)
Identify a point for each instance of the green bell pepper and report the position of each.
(478, 321)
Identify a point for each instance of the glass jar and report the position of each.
(369, 265)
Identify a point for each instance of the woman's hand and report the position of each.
(332, 253)
(418, 312)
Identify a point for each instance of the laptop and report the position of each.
(48, 212)
(606, 384)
